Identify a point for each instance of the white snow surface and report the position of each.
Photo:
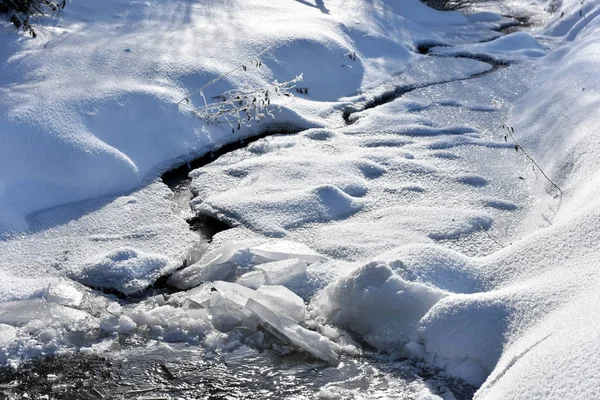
(413, 223)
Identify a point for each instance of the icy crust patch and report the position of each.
(125, 270)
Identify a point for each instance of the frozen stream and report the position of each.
(458, 149)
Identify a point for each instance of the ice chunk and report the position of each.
(199, 273)
(234, 292)
(125, 270)
(21, 312)
(120, 324)
(227, 313)
(198, 297)
(227, 253)
(285, 250)
(282, 272)
(280, 299)
(64, 293)
(288, 331)
(252, 279)
(214, 266)
(7, 334)
(218, 264)
(283, 301)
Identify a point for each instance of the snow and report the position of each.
(400, 212)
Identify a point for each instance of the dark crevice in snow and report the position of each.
(178, 180)
(425, 47)
(160, 286)
(178, 177)
(519, 22)
(399, 91)
(209, 226)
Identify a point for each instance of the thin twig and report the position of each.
(510, 131)
(491, 237)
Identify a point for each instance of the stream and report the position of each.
(146, 369)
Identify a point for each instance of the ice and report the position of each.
(283, 301)
(284, 250)
(198, 297)
(285, 329)
(64, 293)
(278, 298)
(252, 279)
(282, 272)
(278, 310)
(120, 324)
(222, 262)
(8, 334)
(18, 313)
(226, 313)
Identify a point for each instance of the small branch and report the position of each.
(491, 237)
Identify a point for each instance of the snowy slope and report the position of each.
(75, 101)
(524, 320)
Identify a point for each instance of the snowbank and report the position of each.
(520, 322)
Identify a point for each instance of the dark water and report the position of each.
(185, 372)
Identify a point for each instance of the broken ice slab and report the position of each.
(198, 273)
(7, 334)
(290, 332)
(64, 293)
(274, 273)
(227, 314)
(21, 312)
(198, 297)
(219, 263)
(283, 301)
(279, 299)
(285, 250)
(282, 272)
(252, 279)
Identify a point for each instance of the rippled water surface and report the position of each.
(163, 372)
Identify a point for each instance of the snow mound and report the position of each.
(125, 270)
(377, 304)
(275, 214)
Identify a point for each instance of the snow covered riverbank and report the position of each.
(401, 213)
